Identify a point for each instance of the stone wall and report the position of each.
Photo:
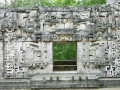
(27, 36)
(112, 1)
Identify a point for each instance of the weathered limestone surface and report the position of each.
(26, 46)
(112, 1)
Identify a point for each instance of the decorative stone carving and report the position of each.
(27, 36)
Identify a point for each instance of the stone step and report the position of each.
(65, 62)
(9, 84)
(64, 67)
(65, 84)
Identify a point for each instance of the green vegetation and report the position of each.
(26, 3)
(64, 51)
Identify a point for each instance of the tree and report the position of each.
(26, 3)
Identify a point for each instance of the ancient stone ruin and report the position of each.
(28, 35)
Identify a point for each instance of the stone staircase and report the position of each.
(65, 84)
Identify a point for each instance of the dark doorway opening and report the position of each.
(64, 56)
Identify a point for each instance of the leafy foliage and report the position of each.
(91, 2)
(26, 3)
(64, 51)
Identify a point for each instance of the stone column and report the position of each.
(1, 44)
(80, 47)
(1, 58)
(50, 56)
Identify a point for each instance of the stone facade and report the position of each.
(26, 46)
(112, 1)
